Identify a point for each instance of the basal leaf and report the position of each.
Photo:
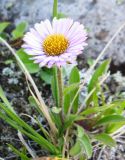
(114, 127)
(70, 88)
(76, 149)
(73, 79)
(105, 139)
(66, 103)
(17, 152)
(3, 26)
(46, 75)
(111, 119)
(30, 65)
(85, 141)
(18, 32)
(98, 73)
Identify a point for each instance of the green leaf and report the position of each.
(85, 141)
(90, 61)
(34, 104)
(18, 32)
(73, 79)
(98, 73)
(46, 75)
(114, 127)
(82, 144)
(70, 88)
(66, 103)
(30, 65)
(76, 149)
(97, 109)
(80, 131)
(111, 119)
(105, 139)
(3, 26)
(17, 152)
(15, 121)
(57, 120)
(5, 100)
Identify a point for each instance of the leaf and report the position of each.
(57, 120)
(85, 141)
(73, 79)
(82, 144)
(34, 104)
(105, 139)
(111, 119)
(70, 88)
(5, 100)
(66, 103)
(46, 75)
(19, 30)
(17, 152)
(15, 121)
(76, 149)
(90, 61)
(87, 145)
(32, 101)
(98, 73)
(80, 131)
(97, 109)
(114, 127)
(3, 26)
(30, 65)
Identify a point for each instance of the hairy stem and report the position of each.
(60, 92)
(60, 85)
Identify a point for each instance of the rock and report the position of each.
(102, 18)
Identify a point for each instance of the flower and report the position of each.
(55, 44)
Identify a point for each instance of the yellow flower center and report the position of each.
(55, 44)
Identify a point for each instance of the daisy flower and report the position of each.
(55, 44)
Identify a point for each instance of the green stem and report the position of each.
(60, 92)
(60, 85)
(55, 85)
(55, 8)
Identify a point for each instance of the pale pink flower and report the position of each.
(55, 44)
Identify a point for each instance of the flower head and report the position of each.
(55, 44)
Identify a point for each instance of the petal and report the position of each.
(41, 29)
(48, 26)
(62, 25)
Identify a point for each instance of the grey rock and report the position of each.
(101, 17)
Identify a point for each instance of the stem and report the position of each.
(60, 92)
(55, 8)
(60, 85)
